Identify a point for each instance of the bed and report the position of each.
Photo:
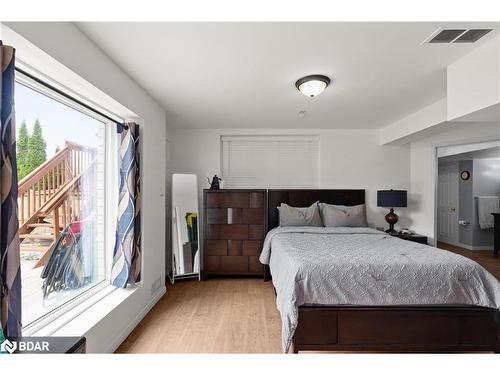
(359, 289)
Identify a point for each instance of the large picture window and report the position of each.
(61, 163)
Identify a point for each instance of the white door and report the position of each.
(448, 203)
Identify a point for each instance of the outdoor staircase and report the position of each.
(49, 198)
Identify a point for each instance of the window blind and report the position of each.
(270, 161)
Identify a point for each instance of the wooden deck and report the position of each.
(33, 304)
(32, 297)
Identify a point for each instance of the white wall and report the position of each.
(350, 159)
(423, 169)
(473, 82)
(65, 43)
(418, 122)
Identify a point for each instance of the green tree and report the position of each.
(37, 147)
(23, 167)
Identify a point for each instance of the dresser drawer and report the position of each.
(233, 231)
(258, 199)
(217, 216)
(234, 264)
(252, 247)
(254, 265)
(235, 200)
(227, 200)
(256, 232)
(212, 263)
(227, 232)
(251, 215)
(234, 247)
(235, 215)
(216, 247)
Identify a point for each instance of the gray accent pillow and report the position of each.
(343, 216)
(299, 216)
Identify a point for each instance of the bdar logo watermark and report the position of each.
(42, 345)
(8, 346)
(24, 345)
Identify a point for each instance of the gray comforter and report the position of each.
(363, 266)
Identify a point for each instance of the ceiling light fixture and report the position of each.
(312, 85)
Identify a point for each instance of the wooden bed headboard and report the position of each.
(306, 197)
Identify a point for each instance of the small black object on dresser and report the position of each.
(215, 184)
(235, 222)
(411, 237)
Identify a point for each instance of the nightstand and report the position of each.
(412, 237)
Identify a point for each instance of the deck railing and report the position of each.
(52, 190)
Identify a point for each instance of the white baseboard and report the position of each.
(468, 247)
(130, 327)
(453, 243)
(490, 248)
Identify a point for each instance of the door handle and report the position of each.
(453, 209)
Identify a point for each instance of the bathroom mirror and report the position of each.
(185, 249)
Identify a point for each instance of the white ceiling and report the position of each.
(242, 75)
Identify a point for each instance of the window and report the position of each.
(270, 161)
(62, 167)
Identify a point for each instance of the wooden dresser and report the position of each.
(234, 230)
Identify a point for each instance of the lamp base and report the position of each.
(391, 219)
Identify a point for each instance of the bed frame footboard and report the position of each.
(398, 329)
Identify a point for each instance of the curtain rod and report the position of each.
(60, 92)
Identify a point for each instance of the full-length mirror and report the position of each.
(185, 250)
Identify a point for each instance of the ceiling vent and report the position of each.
(472, 35)
(457, 35)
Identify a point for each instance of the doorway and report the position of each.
(468, 176)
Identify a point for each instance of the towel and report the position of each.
(485, 207)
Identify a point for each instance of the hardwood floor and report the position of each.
(485, 258)
(227, 315)
(213, 316)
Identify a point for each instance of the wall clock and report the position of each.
(465, 175)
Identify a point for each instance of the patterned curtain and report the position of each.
(127, 252)
(10, 263)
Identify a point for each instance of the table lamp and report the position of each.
(391, 198)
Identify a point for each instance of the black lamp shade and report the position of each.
(391, 198)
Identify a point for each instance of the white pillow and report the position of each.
(299, 216)
(343, 216)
